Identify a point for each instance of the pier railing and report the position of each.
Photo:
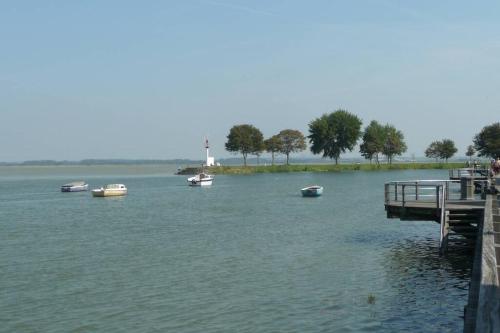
(428, 191)
(479, 173)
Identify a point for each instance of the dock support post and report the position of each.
(445, 228)
(466, 188)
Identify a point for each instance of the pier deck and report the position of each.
(426, 210)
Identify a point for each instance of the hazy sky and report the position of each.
(151, 79)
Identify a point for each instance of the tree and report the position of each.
(373, 141)
(441, 149)
(335, 133)
(447, 149)
(470, 152)
(394, 142)
(487, 142)
(291, 141)
(433, 150)
(273, 146)
(245, 139)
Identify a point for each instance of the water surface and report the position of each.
(248, 254)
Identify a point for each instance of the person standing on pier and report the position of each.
(495, 166)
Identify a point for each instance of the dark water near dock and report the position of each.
(248, 254)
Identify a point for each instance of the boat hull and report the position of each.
(108, 193)
(313, 191)
(79, 188)
(200, 180)
(200, 183)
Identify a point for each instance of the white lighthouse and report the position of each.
(210, 159)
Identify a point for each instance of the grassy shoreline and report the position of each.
(330, 167)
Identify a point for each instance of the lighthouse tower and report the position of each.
(210, 159)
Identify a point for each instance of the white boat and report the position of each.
(201, 179)
(75, 187)
(110, 190)
(312, 191)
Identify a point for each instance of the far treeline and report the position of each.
(338, 132)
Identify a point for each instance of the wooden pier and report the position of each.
(467, 219)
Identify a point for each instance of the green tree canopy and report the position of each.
(292, 141)
(487, 142)
(335, 133)
(373, 141)
(394, 143)
(245, 139)
(441, 149)
(447, 149)
(470, 152)
(273, 146)
(433, 150)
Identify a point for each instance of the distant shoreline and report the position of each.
(189, 167)
(333, 167)
(102, 162)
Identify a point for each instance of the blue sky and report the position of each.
(151, 79)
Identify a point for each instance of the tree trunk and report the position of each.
(287, 156)
(336, 160)
(245, 159)
(272, 158)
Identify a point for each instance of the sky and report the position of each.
(152, 79)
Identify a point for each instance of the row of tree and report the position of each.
(330, 135)
(338, 132)
(248, 139)
(486, 143)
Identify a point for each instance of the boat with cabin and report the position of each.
(201, 179)
(110, 190)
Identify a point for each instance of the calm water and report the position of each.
(248, 254)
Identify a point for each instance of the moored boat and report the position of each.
(110, 190)
(77, 186)
(201, 179)
(312, 191)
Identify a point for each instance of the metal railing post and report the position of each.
(437, 196)
(403, 194)
(444, 226)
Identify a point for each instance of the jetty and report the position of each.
(466, 206)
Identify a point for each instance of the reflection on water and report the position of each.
(422, 255)
(423, 280)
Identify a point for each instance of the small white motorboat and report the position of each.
(312, 191)
(201, 179)
(110, 190)
(75, 187)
